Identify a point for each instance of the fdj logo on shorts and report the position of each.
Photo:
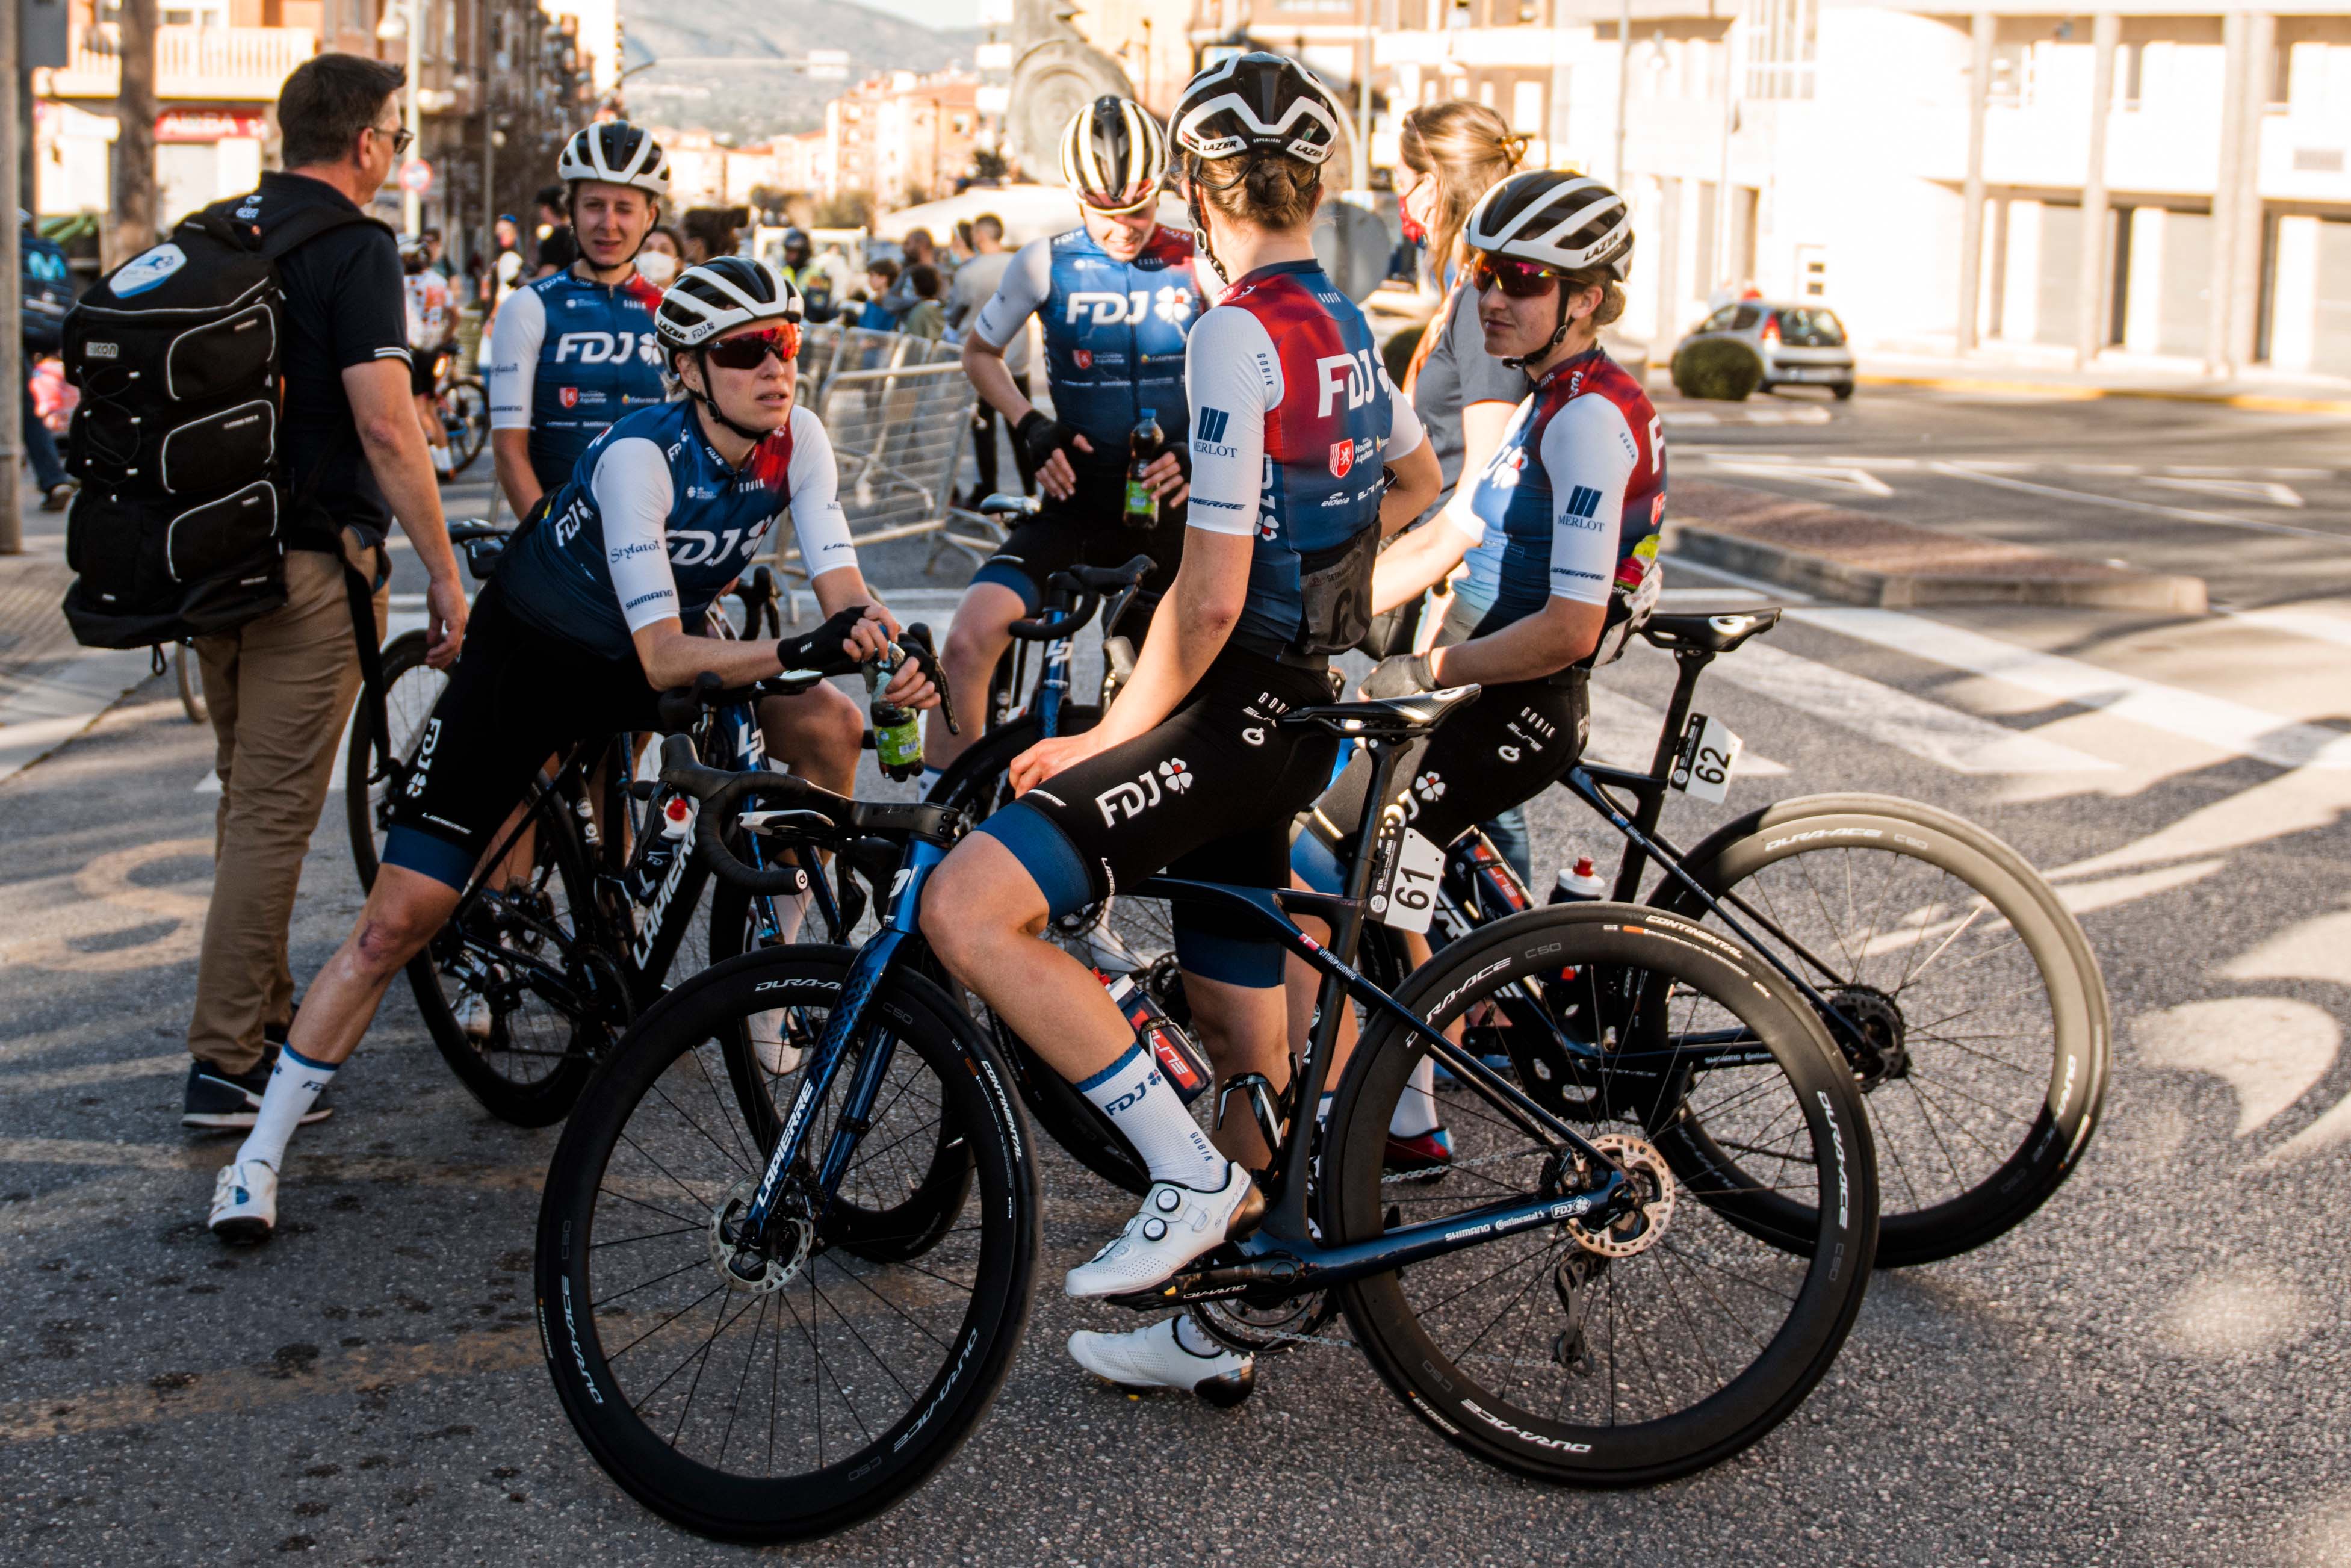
(1129, 794)
(606, 348)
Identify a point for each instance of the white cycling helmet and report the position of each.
(720, 294)
(1114, 155)
(1258, 102)
(1568, 222)
(615, 152)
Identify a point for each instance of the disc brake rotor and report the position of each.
(744, 1264)
(1638, 1228)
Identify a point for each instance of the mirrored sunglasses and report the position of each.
(1519, 279)
(749, 351)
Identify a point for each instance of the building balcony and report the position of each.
(225, 64)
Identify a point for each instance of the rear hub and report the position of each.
(1876, 1043)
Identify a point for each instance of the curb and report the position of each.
(1826, 577)
(2079, 392)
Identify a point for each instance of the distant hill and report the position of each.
(754, 103)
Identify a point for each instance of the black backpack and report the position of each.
(183, 518)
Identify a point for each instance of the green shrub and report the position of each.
(1722, 368)
(1397, 353)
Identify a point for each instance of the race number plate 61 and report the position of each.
(1709, 754)
(1410, 896)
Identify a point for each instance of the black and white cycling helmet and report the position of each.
(1114, 155)
(616, 154)
(718, 296)
(1258, 102)
(1566, 221)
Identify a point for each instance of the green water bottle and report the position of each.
(1142, 447)
(897, 731)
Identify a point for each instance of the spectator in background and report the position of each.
(506, 272)
(928, 318)
(46, 280)
(280, 686)
(557, 248)
(975, 283)
(881, 278)
(434, 259)
(918, 248)
(662, 257)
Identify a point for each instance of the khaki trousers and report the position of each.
(279, 689)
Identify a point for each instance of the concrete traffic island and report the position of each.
(1856, 559)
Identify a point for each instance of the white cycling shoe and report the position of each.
(1175, 1225)
(1156, 1358)
(245, 1203)
(475, 1017)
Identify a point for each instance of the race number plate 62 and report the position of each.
(1410, 896)
(1709, 754)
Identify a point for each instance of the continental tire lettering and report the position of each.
(1556, 1445)
(1428, 1414)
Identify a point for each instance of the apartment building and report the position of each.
(901, 137)
(1891, 160)
(498, 84)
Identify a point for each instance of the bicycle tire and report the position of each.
(620, 1126)
(1924, 1218)
(546, 1098)
(190, 671)
(1477, 1397)
(974, 781)
(467, 420)
(410, 686)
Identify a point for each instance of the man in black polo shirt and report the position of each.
(281, 687)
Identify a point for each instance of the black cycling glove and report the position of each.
(1400, 675)
(1041, 435)
(821, 650)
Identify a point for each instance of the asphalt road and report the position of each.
(2153, 1370)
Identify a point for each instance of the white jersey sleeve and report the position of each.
(1589, 455)
(1406, 434)
(1025, 286)
(515, 340)
(634, 495)
(814, 479)
(1231, 377)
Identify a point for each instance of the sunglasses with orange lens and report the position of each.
(749, 351)
(1519, 279)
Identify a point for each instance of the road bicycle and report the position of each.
(775, 1303)
(572, 923)
(464, 407)
(1960, 989)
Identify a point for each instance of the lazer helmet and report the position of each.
(1114, 155)
(1257, 102)
(720, 294)
(616, 154)
(1564, 221)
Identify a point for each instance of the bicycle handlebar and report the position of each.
(1089, 583)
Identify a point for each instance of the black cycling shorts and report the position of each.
(1085, 529)
(518, 697)
(423, 371)
(1208, 794)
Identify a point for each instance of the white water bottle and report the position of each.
(1579, 883)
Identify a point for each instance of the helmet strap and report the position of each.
(1200, 222)
(710, 403)
(1559, 335)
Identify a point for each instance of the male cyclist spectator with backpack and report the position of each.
(590, 618)
(574, 350)
(1117, 297)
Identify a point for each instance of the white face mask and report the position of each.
(656, 267)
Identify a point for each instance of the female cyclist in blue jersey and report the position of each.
(1116, 298)
(574, 350)
(1559, 530)
(1190, 769)
(585, 624)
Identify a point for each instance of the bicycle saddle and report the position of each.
(1715, 631)
(1390, 718)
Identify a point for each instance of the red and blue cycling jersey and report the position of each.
(1292, 419)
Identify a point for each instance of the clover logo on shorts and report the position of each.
(1429, 788)
(1172, 771)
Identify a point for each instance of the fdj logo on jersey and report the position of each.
(1351, 374)
(606, 348)
(1105, 309)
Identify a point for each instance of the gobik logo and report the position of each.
(1137, 795)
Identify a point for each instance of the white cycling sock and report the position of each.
(440, 459)
(293, 1087)
(1146, 1110)
(1416, 1108)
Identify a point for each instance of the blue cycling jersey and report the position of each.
(568, 357)
(653, 523)
(1294, 419)
(1114, 331)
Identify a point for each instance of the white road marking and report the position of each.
(1946, 737)
(2268, 491)
(1978, 472)
(1624, 735)
(2212, 721)
(1835, 476)
(2298, 623)
(2272, 1050)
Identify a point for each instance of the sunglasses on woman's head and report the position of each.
(749, 351)
(1519, 279)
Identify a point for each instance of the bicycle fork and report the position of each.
(848, 1027)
